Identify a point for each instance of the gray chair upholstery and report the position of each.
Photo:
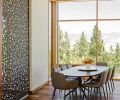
(107, 84)
(97, 77)
(63, 66)
(56, 69)
(60, 82)
(101, 64)
(111, 79)
(69, 66)
(98, 84)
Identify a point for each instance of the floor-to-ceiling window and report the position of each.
(88, 29)
(76, 28)
(109, 25)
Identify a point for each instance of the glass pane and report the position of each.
(76, 42)
(77, 10)
(109, 9)
(110, 36)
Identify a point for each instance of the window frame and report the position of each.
(73, 20)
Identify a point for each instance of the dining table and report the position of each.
(84, 71)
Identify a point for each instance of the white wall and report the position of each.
(39, 24)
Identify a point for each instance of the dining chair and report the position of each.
(111, 79)
(107, 84)
(63, 66)
(56, 69)
(97, 85)
(69, 66)
(59, 81)
(99, 75)
(101, 64)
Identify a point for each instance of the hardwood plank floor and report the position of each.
(46, 92)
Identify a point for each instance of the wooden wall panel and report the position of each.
(53, 35)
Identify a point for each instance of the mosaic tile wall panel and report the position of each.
(0, 49)
(15, 49)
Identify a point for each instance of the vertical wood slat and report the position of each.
(53, 34)
(1, 6)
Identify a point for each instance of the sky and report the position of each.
(110, 30)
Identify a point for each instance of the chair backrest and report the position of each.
(56, 69)
(113, 72)
(63, 66)
(101, 64)
(103, 78)
(109, 74)
(69, 66)
(58, 80)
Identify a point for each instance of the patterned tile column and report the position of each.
(1, 49)
(15, 49)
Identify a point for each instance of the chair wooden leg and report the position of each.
(91, 89)
(64, 94)
(109, 87)
(88, 94)
(94, 90)
(60, 91)
(113, 84)
(83, 91)
(72, 94)
(106, 89)
(76, 94)
(54, 93)
(80, 92)
(104, 92)
(100, 93)
(97, 91)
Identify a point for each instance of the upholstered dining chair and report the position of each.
(97, 76)
(107, 84)
(97, 84)
(63, 66)
(69, 66)
(60, 82)
(56, 69)
(111, 79)
(101, 64)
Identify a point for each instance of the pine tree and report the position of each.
(60, 46)
(111, 50)
(92, 45)
(64, 47)
(111, 55)
(96, 38)
(80, 48)
(67, 48)
(117, 55)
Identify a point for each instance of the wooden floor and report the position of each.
(46, 94)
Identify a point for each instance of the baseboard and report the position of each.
(23, 98)
(38, 88)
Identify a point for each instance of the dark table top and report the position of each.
(81, 71)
